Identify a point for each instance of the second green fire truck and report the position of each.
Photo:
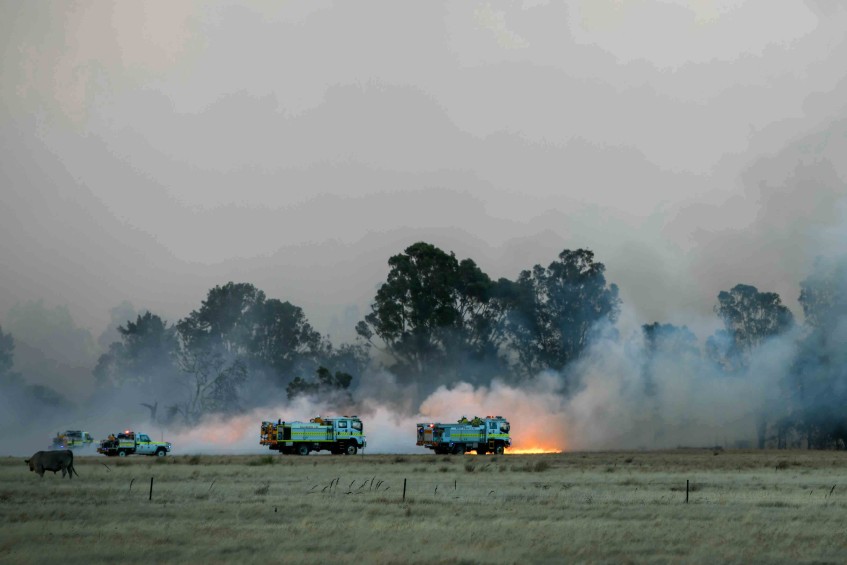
(483, 435)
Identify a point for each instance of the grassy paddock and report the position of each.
(615, 506)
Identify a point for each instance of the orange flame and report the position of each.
(532, 451)
(535, 438)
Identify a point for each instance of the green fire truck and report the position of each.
(338, 435)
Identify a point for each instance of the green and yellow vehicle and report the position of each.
(338, 435)
(129, 442)
(484, 435)
(71, 439)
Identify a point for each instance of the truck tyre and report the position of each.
(121, 453)
(499, 450)
(351, 449)
(161, 453)
(303, 450)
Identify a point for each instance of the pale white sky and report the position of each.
(152, 150)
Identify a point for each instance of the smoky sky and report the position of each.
(153, 150)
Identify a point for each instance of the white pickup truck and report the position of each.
(129, 442)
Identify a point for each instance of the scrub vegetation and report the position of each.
(603, 506)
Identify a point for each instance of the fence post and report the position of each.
(686, 491)
(151, 489)
(404, 490)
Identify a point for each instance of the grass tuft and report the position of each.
(263, 460)
(541, 466)
(529, 467)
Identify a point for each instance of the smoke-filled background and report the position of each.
(618, 224)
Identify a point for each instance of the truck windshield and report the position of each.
(357, 425)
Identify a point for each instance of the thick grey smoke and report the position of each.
(154, 148)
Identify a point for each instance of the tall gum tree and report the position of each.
(436, 317)
(552, 310)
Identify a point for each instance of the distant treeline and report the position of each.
(437, 320)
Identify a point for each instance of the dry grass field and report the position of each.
(773, 506)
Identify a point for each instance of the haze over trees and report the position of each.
(142, 355)
(438, 320)
(19, 400)
(7, 360)
(436, 317)
(553, 310)
(819, 384)
(750, 317)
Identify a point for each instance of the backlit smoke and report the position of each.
(535, 415)
(535, 412)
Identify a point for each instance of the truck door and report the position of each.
(142, 444)
(357, 431)
(342, 430)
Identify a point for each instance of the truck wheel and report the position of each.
(121, 453)
(303, 450)
(499, 450)
(161, 453)
(351, 449)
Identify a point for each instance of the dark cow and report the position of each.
(53, 461)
